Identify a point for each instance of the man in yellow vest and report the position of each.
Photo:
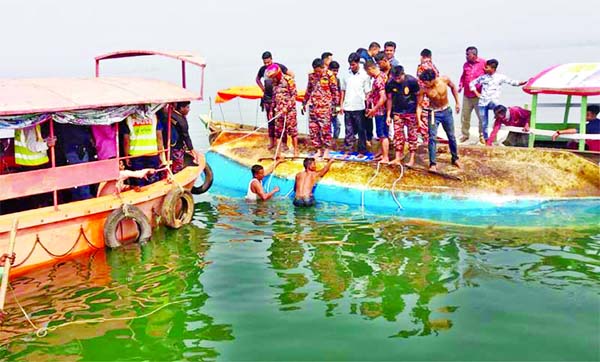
(142, 138)
(30, 148)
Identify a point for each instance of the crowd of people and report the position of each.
(376, 90)
(141, 136)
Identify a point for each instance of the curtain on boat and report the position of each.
(87, 117)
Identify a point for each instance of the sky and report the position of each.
(61, 37)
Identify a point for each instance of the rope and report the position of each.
(394, 185)
(362, 197)
(253, 132)
(43, 331)
(37, 241)
(277, 151)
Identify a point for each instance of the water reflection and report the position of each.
(332, 264)
(128, 282)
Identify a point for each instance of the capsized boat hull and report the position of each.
(47, 235)
(490, 178)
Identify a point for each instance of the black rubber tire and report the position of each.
(208, 181)
(115, 217)
(169, 213)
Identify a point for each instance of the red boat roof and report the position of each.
(580, 79)
(26, 96)
(188, 57)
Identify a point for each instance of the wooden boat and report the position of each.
(48, 234)
(491, 178)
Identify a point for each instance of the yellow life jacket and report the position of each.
(142, 136)
(23, 155)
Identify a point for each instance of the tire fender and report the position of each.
(208, 180)
(126, 212)
(177, 208)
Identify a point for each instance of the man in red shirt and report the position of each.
(472, 69)
(515, 117)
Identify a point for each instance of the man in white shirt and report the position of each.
(355, 85)
(491, 86)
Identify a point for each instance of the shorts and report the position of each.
(383, 130)
(304, 201)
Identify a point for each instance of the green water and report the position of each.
(268, 282)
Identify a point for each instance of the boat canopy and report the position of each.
(246, 92)
(48, 95)
(578, 79)
(187, 57)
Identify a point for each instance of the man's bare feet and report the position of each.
(456, 164)
(296, 152)
(271, 146)
(432, 168)
(396, 161)
(410, 163)
(384, 160)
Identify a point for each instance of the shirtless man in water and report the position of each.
(436, 89)
(306, 180)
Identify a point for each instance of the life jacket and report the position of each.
(142, 136)
(24, 156)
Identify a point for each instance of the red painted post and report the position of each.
(53, 160)
(183, 74)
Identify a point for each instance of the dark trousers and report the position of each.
(356, 124)
(445, 118)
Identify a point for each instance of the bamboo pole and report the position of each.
(11, 249)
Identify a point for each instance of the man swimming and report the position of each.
(306, 180)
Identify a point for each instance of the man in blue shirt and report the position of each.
(592, 127)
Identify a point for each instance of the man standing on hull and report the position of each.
(355, 85)
(402, 91)
(436, 89)
(267, 88)
(284, 90)
(472, 69)
(321, 94)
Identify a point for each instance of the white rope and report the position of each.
(277, 152)
(253, 132)
(543, 132)
(43, 331)
(394, 185)
(362, 197)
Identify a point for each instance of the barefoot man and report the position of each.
(436, 89)
(402, 91)
(321, 94)
(284, 90)
(306, 180)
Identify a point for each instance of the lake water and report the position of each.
(271, 282)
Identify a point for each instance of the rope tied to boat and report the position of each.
(43, 331)
(362, 196)
(394, 186)
(256, 130)
(277, 151)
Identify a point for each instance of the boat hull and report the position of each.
(47, 235)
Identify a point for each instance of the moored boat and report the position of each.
(63, 230)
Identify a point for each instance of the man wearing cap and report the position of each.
(284, 90)
(267, 88)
